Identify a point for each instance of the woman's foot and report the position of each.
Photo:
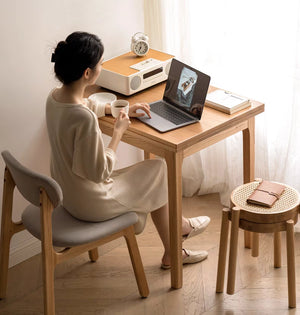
(194, 226)
(188, 257)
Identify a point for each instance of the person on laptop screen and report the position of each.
(186, 87)
(85, 169)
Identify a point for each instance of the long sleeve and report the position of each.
(90, 158)
(96, 107)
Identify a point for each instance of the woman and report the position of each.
(84, 168)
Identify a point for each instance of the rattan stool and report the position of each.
(281, 217)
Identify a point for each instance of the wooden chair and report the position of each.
(257, 219)
(46, 219)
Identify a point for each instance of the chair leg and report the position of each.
(255, 244)
(48, 277)
(136, 261)
(235, 217)
(48, 253)
(277, 250)
(290, 247)
(4, 259)
(222, 251)
(6, 230)
(93, 254)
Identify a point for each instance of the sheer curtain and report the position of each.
(251, 48)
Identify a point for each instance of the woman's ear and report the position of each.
(87, 73)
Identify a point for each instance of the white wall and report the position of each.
(29, 30)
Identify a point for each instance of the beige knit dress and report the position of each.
(84, 168)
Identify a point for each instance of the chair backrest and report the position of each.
(29, 182)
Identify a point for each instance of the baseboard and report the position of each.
(24, 250)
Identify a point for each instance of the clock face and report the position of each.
(141, 48)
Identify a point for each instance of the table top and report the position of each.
(211, 123)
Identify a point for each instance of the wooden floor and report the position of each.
(108, 286)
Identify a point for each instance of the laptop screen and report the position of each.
(186, 88)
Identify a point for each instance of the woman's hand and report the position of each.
(143, 106)
(122, 122)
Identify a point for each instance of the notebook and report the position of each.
(183, 99)
(266, 194)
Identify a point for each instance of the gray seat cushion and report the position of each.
(68, 231)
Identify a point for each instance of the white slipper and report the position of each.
(199, 224)
(191, 258)
(194, 256)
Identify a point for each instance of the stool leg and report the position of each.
(255, 244)
(93, 254)
(290, 247)
(222, 251)
(247, 239)
(235, 217)
(277, 250)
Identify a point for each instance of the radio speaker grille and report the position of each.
(135, 83)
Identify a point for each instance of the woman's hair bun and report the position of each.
(61, 44)
(73, 56)
(60, 49)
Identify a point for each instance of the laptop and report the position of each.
(183, 99)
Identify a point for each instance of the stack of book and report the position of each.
(226, 102)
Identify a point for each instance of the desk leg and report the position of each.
(174, 163)
(249, 151)
(249, 165)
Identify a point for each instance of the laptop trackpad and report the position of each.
(156, 121)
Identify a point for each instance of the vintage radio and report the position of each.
(128, 74)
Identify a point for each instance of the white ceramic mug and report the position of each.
(117, 105)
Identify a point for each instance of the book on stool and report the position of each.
(266, 194)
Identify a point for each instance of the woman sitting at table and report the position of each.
(84, 168)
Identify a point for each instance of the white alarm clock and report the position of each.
(140, 44)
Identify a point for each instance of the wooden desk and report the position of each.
(175, 145)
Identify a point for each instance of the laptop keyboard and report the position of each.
(168, 113)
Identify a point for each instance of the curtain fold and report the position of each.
(251, 48)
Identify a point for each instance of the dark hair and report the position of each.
(73, 56)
